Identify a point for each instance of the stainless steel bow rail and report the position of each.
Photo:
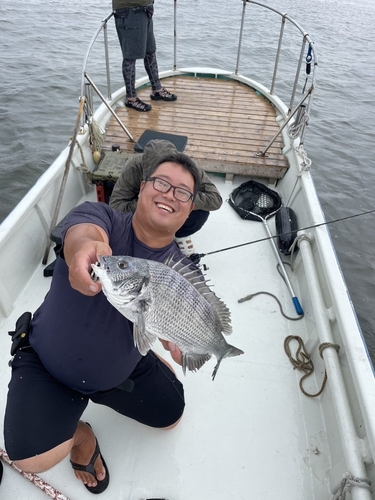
(307, 55)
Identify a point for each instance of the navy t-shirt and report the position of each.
(84, 342)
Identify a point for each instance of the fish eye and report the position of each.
(122, 265)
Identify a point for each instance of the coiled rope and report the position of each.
(306, 162)
(296, 129)
(302, 361)
(249, 297)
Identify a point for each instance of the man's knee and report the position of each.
(172, 414)
(172, 426)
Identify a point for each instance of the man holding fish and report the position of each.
(81, 348)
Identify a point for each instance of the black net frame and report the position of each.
(253, 200)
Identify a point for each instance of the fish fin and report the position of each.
(142, 339)
(195, 277)
(141, 309)
(219, 306)
(193, 362)
(231, 351)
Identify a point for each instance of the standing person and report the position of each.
(135, 32)
(126, 190)
(80, 348)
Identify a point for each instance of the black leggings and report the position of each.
(135, 31)
(42, 413)
(151, 67)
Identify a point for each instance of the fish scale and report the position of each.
(168, 301)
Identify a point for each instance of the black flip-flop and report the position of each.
(101, 485)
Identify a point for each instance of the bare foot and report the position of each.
(81, 453)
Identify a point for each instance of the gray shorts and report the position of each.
(135, 31)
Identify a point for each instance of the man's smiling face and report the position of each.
(162, 210)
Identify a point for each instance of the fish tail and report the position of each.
(230, 351)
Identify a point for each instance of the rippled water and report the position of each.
(42, 47)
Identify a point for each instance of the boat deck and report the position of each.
(249, 416)
(226, 122)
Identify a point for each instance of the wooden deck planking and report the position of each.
(226, 123)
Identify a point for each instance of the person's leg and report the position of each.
(82, 453)
(132, 101)
(151, 64)
(81, 448)
(158, 92)
(152, 395)
(128, 71)
(192, 224)
(131, 27)
(41, 425)
(152, 70)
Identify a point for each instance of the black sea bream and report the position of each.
(170, 301)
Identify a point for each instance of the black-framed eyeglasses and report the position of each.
(163, 186)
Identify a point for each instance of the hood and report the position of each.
(154, 151)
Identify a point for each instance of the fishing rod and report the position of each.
(195, 257)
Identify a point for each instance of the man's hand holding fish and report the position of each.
(79, 257)
(173, 349)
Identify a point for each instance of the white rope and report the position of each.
(306, 162)
(97, 136)
(348, 483)
(296, 129)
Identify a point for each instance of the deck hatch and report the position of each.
(179, 141)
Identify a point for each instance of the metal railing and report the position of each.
(303, 107)
(307, 55)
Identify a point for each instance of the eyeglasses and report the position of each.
(163, 186)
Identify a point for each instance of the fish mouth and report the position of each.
(113, 267)
(102, 261)
(166, 208)
(93, 275)
(99, 264)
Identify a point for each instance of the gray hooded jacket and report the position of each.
(125, 192)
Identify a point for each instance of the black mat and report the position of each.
(179, 141)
